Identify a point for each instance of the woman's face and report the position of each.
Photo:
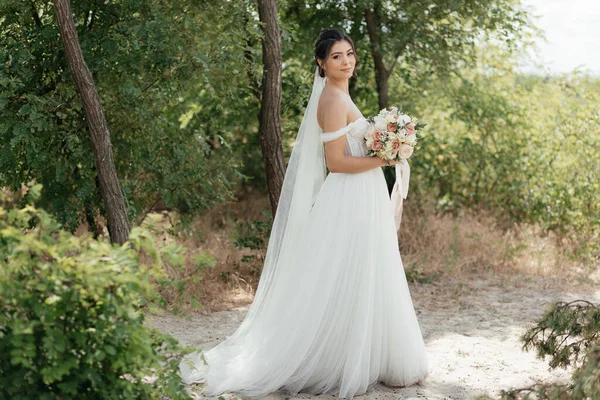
(341, 61)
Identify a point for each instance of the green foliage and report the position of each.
(565, 333)
(568, 333)
(71, 324)
(162, 82)
(522, 146)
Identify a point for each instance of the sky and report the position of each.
(572, 29)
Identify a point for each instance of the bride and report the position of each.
(332, 312)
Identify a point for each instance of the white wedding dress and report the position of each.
(335, 315)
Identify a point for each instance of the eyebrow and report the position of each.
(341, 52)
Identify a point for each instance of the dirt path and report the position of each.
(471, 330)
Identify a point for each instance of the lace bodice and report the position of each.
(355, 137)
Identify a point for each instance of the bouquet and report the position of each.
(392, 135)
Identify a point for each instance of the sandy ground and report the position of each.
(471, 330)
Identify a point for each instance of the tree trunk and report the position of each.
(270, 118)
(382, 75)
(90, 218)
(382, 89)
(110, 189)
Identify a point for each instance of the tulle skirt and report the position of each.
(340, 320)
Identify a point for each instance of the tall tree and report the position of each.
(439, 34)
(270, 116)
(110, 188)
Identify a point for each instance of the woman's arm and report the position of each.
(337, 161)
(335, 118)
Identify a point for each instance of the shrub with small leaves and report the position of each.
(71, 325)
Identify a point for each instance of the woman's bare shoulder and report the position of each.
(332, 109)
(332, 98)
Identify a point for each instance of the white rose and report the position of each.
(404, 119)
(405, 151)
(411, 139)
(380, 122)
(391, 118)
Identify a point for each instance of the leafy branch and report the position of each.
(565, 333)
(568, 333)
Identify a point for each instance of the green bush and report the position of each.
(71, 325)
(524, 147)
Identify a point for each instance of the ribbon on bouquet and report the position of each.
(400, 190)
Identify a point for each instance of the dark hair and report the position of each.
(327, 38)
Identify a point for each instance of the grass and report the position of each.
(456, 246)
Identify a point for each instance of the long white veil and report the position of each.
(303, 178)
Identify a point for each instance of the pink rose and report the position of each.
(376, 135)
(405, 151)
(410, 129)
(395, 146)
(377, 145)
(391, 127)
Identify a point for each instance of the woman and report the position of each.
(332, 312)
